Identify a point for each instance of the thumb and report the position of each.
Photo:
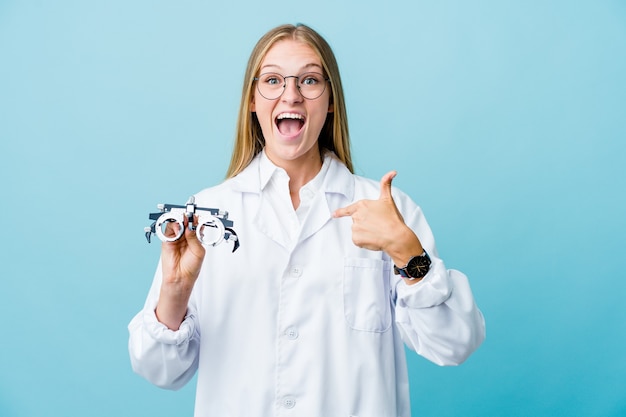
(385, 185)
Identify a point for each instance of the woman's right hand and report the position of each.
(180, 261)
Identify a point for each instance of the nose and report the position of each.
(291, 92)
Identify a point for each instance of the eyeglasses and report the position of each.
(272, 85)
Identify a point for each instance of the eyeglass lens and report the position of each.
(272, 85)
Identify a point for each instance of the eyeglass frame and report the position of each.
(297, 77)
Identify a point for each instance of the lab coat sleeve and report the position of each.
(438, 317)
(166, 358)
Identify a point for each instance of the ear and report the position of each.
(252, 105)
(331, 108)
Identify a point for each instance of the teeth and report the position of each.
(290, 116)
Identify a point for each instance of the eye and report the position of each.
(311, 79)
(271, 79)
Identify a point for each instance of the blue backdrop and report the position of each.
(505, 120)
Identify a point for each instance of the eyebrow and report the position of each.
(306, 67)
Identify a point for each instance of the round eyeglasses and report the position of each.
(272, 85)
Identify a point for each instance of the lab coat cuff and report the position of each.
(434, 289)
(162, 334)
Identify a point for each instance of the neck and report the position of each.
(300, 172)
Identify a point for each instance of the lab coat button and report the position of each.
(289, 402)
(296, 271)
(291, 333)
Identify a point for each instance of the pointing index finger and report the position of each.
(343, 212)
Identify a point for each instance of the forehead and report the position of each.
(291, 55)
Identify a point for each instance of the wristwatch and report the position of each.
(417, 267)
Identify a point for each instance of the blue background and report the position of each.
(505, 120)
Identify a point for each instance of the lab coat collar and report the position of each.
(338, 179)
(338, 182)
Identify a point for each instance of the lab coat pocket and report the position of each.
(366, 301)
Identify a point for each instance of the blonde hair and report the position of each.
(334, 136)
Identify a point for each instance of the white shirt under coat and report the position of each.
(299, 321)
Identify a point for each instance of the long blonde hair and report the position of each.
(334, 136)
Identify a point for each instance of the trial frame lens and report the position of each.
(311, 85)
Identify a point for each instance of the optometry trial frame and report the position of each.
(213, 226)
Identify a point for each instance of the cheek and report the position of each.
(320, 116)
(263, 113)
(260, 106)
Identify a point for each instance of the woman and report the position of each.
(333, 274)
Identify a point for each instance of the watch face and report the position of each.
(418, 266)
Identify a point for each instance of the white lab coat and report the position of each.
(311, 326)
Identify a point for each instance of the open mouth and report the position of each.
(289, 124)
